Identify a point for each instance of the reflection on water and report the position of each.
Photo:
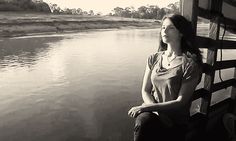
(72, 87)
(17, 53)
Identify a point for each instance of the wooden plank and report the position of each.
(205, 42)
(215, 5)
(224, 84)
(199, 93)
(226, 44)
(207, 68)
(225, 64)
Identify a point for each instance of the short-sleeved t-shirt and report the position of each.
(167, 82)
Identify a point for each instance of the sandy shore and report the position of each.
(21, 24)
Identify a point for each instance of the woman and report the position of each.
(170, 79)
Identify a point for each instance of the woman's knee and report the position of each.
(146, 119)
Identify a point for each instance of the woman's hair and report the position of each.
(188, 45)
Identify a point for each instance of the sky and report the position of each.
(105, 6)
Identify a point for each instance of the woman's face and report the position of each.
(169, 33)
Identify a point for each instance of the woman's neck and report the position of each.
(173, 49)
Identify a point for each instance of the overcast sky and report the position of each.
(105, 6)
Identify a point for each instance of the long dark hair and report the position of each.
(188, 45)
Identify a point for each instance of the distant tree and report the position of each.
(118, 11)
(91, 13)
(67, 11)
(52, 7)
(24, 5)
(73, 11)
(55, 9)
(79, 11)
(171, 7)
(161, 13)
(85, 13)
(135, 14)
(132, 12)
(142, 11)
(177, 5)
(41, 7)
(152, 11)
(126, 12)
(174, 7)
(99, 13)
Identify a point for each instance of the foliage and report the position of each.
(146, 12)
(23, 5)
(55, 9)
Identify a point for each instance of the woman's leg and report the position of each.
(178, 132)
(148, 127)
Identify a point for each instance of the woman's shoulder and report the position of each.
(153, 58)
(156, 55)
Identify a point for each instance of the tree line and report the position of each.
(55, 9)
(146, 12)
(143, 12)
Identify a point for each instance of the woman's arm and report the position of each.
(185, 94)
(147, 87)
(146, 93)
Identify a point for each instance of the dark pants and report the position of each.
(149, 127)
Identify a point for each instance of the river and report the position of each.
(73, 87)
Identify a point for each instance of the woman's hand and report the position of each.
(135, 111)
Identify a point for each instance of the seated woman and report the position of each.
(171, 76)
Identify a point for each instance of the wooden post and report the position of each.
(215, 5)
(233, 96)
(233, 89)
(189, 9)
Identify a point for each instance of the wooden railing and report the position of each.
(191, 10)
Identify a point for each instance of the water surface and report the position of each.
(74, 87)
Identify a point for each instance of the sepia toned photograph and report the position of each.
(118, 70)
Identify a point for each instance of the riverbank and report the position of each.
(22, 24)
